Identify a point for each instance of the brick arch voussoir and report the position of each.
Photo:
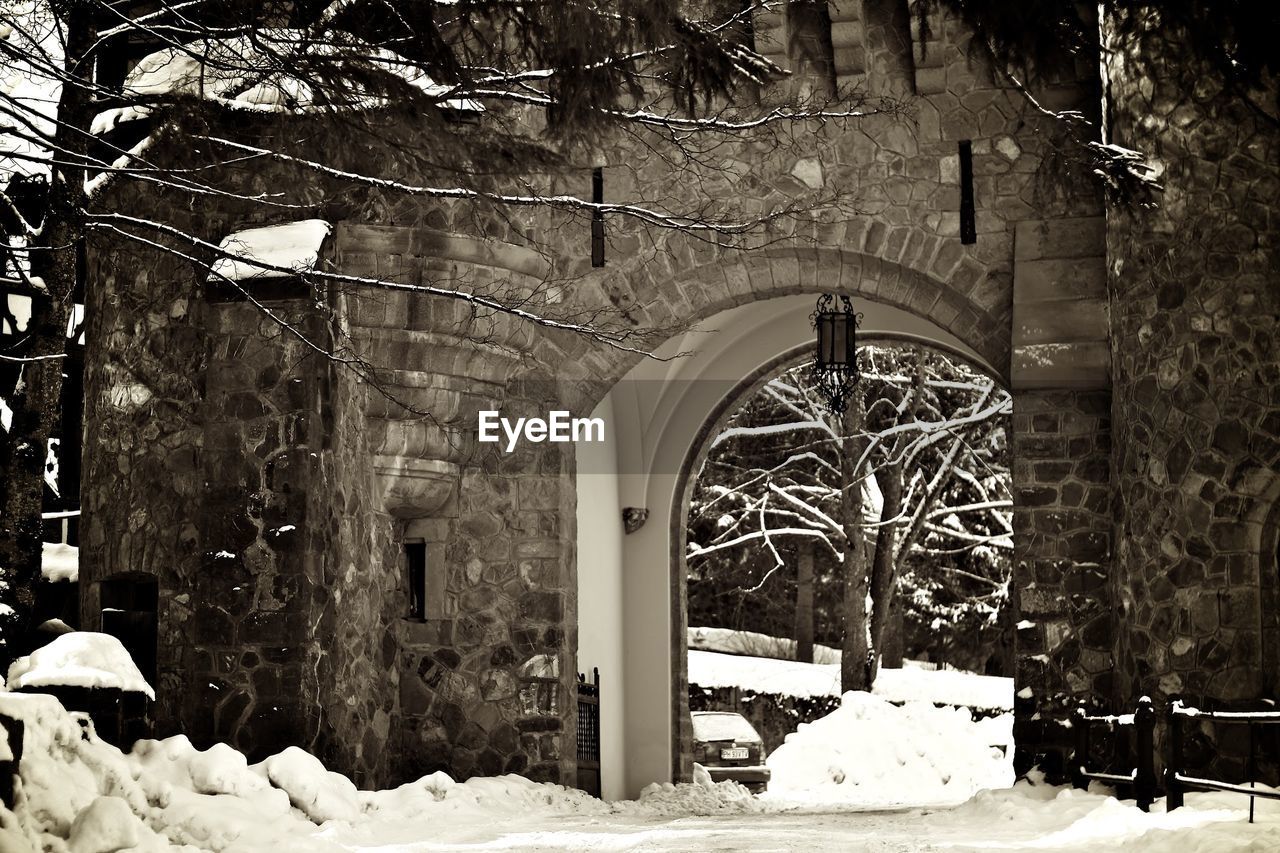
(767, 275)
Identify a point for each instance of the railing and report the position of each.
(1176, 782)
(61, 527)
(1143, 775)
(589, 733)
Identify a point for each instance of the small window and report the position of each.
(415, 554)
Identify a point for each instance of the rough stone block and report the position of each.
(1055, 279)
(1085, 365)
(1060, 238)
(1059, 321)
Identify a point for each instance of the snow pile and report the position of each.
(869, 751)
(702, 796)
(803, 680)
(79, 659)
(1063, 818)
(85, 796)
(64, 778)
(945, 687)
(479, 797)
(320, 794)
(294, 246)
(60, 562)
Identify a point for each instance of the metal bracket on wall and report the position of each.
(633, 518)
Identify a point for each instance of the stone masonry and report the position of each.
(272, 491)
(1194, 299)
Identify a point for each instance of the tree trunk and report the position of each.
(854, 671)
(884, 573)
(804, 602)
(893, 644)
(36, 403)
(23, 450)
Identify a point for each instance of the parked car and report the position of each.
(730, 748)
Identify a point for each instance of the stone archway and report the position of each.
(664, 412)
(697, 455)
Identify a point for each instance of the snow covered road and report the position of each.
(1081, 823)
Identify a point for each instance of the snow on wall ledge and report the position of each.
(79, 659)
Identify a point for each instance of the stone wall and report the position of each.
(141, 483)
(1194, 300)
(316, 475)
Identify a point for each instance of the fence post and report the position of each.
(1144, 776)
(1080, 755)
(1172, 787)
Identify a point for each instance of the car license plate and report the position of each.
(736, 753)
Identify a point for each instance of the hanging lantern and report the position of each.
(835, 364)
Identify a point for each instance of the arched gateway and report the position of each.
(381, 587)
(662, 417)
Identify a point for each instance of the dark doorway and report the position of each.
(129, 614)
(129, 602)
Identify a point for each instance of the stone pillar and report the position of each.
(486, 680)
(1061, 449)
(1061, 476)
(1194, 300)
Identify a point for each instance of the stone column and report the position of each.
(486, 680)
(1194, 299)
(1061, 475)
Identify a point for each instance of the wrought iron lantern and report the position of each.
(835, 365)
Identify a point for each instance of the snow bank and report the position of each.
(872, 752)
(803, 680)
(294, 246)
(79, 659)
(60, 562)
(80, 795)
(1062, 818)
(699, 797)
(320, 794)
(64, 775)
(945, 687)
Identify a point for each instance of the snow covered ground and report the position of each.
(80, 795)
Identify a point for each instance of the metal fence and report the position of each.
(589, 732)
(1176, 782)
(1142, 778)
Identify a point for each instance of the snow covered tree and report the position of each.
(918, 459)
(483, 96)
